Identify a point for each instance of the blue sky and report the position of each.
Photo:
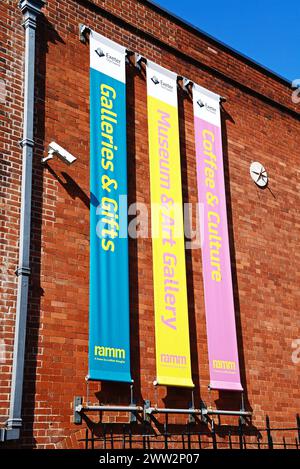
(268, 31)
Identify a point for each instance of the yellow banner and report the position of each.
(169, 273)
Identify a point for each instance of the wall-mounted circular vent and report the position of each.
(259, 174)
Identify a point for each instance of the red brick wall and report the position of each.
(260, 122)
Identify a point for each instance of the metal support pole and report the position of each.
(77, 415)
(133, 417)
(238, 413)
(269, 436)
(203, 411)
(213, 434)
(132, 408)
(241, 432)
(243, 420)
(157, 410)
(108, 408)
(166, 434)
(229, 440)
(192, 419)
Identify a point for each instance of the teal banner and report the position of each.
(109, 320)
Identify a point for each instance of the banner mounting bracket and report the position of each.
(186, 84)
(83, 32)
(139, 60)
(147, 405)
(77, 415)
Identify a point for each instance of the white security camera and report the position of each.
(64, 155)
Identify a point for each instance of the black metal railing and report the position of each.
(193, 436)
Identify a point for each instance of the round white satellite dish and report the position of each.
(258, 174)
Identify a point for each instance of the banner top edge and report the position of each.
(108, 42)
(210, 94)
(161, 69)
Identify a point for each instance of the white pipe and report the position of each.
(108, 408)
(204, 411)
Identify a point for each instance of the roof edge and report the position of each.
(163, 11)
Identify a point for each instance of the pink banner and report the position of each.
(218, 292)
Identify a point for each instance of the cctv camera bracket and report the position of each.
(49, 156)
(64, 155)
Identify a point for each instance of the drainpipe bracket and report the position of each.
(23, 271)
(26, 142)
(14, 424)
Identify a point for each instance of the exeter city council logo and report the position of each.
(164, 85)
(208, 107)
(100, 52)
(200, 103)
(155, 80)
(110, 58)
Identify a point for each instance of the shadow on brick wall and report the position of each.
(185, 397)
(227, 399)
